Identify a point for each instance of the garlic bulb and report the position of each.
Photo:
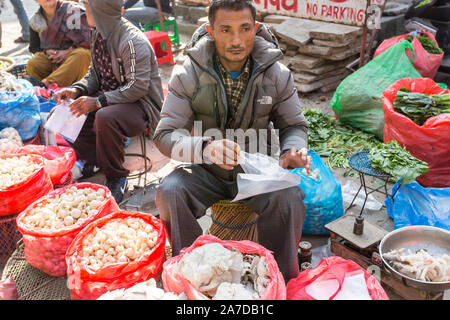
(16, 169)
(224, 274)
(142, 291)
(11, 134)
(67, 209)
(120, 240)
(8, 83)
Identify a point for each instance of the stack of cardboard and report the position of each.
(317, 52)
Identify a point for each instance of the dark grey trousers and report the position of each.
(103, 136)
(186, 194)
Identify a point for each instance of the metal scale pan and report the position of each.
(434, 240)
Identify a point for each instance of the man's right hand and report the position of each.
(224, 153)
(67, 93)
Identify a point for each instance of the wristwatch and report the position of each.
(98, 103)
(101, 101)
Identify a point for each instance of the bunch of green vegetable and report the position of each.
(337, 143)
(419, 106)
(396, 161)
(428, 44)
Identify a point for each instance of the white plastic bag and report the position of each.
(349, 191)
(353, 288)
(262, 174)
(64, 122)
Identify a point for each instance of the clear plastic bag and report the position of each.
(262, 174)
(64, 122)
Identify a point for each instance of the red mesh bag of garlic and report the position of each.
(49, 225)
(224, 270)
(23, 180)
(59, 160)
(115, 252)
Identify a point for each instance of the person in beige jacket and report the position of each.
(232, 84)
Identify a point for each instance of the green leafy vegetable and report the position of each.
(428, 44)
(419, 107)
(396, 161)
(337, 143)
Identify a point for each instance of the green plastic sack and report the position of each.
(357, 100)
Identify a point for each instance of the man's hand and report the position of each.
(58, 56)
(223, 153)
(83, 105)
(296, 159)
(67, 93)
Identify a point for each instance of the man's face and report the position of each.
(234, 34)
(89, 16)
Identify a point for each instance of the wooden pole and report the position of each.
(161, 20)
(362, 55)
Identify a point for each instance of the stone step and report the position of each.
(305, 77)
(323, 68)
(333, 32)
(296, 31)
(309, 87)
(302, 61)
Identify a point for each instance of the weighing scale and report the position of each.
(363, 249)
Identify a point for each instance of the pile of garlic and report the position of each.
(69, 208)
(8, 83)
(315, 174)
(16, 169)
(224, 274)
(120, 240)
(9, 140)
(142, 291)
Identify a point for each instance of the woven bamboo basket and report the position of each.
(233, 221)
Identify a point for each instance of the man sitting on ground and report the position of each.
(232, 79)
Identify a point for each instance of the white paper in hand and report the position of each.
(64, 122)
(262, 174)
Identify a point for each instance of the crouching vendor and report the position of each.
(232, 80)
(121, 94)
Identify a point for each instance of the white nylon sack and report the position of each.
(262, 174)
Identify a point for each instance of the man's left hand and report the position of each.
(83, 105)
(296, 159)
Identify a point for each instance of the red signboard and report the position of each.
(351, 12)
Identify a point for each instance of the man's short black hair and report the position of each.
(234, 5)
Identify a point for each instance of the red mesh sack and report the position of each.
(58, 160)
(427, 64)
(15, 198)
(174, 282)
(45, 249)
(331, 271)
(429, 142)
(86, 283)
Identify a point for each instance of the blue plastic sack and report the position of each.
(323, 198)
(412, 204)
(20, 110)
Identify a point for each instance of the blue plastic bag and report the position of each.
(323, 198)
(20, 110)
(412, 204)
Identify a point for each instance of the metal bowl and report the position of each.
(434, 240)
(11, 61)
